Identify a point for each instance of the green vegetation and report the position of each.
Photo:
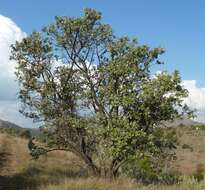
(77, 65)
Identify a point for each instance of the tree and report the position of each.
(94, 92)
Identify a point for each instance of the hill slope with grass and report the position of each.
(19, 171)
(16, 130)
(63, 171)
(4, 124)
(185, 122)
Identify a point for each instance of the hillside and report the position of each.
(13, 129)
(64, 171)
(185, 121)
(35, 131)
(4, 124)
(18, 170)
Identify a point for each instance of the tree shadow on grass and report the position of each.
(34, 177)
(4, 156)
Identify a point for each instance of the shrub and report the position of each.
(149, 171)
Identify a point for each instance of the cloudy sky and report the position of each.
(177, 26)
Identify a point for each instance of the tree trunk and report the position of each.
(107, 173)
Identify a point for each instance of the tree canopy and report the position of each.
(95, 93)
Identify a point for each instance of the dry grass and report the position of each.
(63, 171)
(120, 184)
(188, 161)
(18, 170)
(14, 154)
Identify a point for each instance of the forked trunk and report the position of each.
(104, 172)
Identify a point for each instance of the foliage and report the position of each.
(95, 93)
(154, 168)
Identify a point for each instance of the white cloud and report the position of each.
(9, 34)
(196, 99)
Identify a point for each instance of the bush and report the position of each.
(142, 170)
(147, 171)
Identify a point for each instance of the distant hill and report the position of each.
(185, 121)
(175, 123)
(16, 130)
(8, 124)
(11, 128)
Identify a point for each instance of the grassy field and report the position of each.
(18, 170)
(120, 184)
(63, 171)
(190, 152)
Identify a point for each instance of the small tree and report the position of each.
(94, 92)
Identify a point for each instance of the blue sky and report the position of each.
(177, 25)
